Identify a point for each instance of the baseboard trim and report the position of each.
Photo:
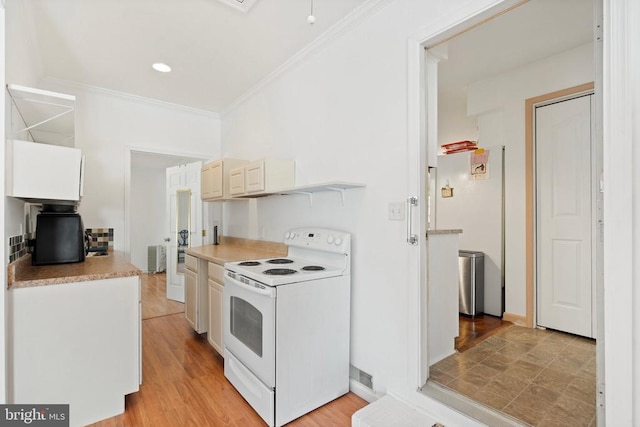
(361, 391)
(515, 319)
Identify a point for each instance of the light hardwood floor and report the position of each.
(154, 297)
(473, 331)
(184, 384)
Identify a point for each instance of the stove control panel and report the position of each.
(320, 239)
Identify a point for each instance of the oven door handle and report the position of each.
(267, 291)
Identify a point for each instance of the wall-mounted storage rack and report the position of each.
(336, 186)
(309, 190)
(42, 116)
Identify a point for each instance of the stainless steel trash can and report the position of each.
(471, 282)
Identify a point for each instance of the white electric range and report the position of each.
(286, 325)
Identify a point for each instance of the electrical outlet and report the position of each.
(396, 211)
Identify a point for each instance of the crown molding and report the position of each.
(345, 25)
(242, 6)
(128, 96)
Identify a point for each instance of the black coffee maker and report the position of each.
(60, 236)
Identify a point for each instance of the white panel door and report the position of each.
(564, 215)
(183, 183)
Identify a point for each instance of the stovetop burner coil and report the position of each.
(249, 263)
(313, 268)
(280, 261)
(279, 271)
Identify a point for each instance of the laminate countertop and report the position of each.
(237, 249)
(21, 274)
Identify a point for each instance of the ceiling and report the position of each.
(143, 160)
(218, 52)
(533, 31)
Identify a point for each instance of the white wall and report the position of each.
(342, 115)
(503, 96)
(148, 218)
(18, 65)
(22, 67)
(3, 250)
(453, 122)
(107, 124)
(621, 143)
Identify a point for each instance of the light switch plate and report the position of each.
(396, 211)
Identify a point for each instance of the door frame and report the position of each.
(530, 191)
(128, 154)
(420, 137)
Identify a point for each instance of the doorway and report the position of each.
(184, 222)
(145, 175)
(502, 104)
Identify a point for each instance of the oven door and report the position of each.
(249, 325)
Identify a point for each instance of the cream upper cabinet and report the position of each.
(215, 178)
(212, 179)
(236, 181)
(264, 176)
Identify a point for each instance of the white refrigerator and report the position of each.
(469, 195)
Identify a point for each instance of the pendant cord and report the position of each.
(311, 19)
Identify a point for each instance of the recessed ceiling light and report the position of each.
(162, 67)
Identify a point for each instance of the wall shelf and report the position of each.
(309, 190)
(42, 116)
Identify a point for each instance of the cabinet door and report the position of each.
(60, 165)
(254, 179)
(236, 181)
(212, 181)
(190, 297)
(215, 333)
(206, 182)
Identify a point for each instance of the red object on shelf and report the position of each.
(459, 144)
(457, 147)
(460, 150)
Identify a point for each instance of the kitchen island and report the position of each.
(74, 335)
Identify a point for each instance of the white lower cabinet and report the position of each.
(75, 343)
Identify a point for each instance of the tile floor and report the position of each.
(541, 377)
